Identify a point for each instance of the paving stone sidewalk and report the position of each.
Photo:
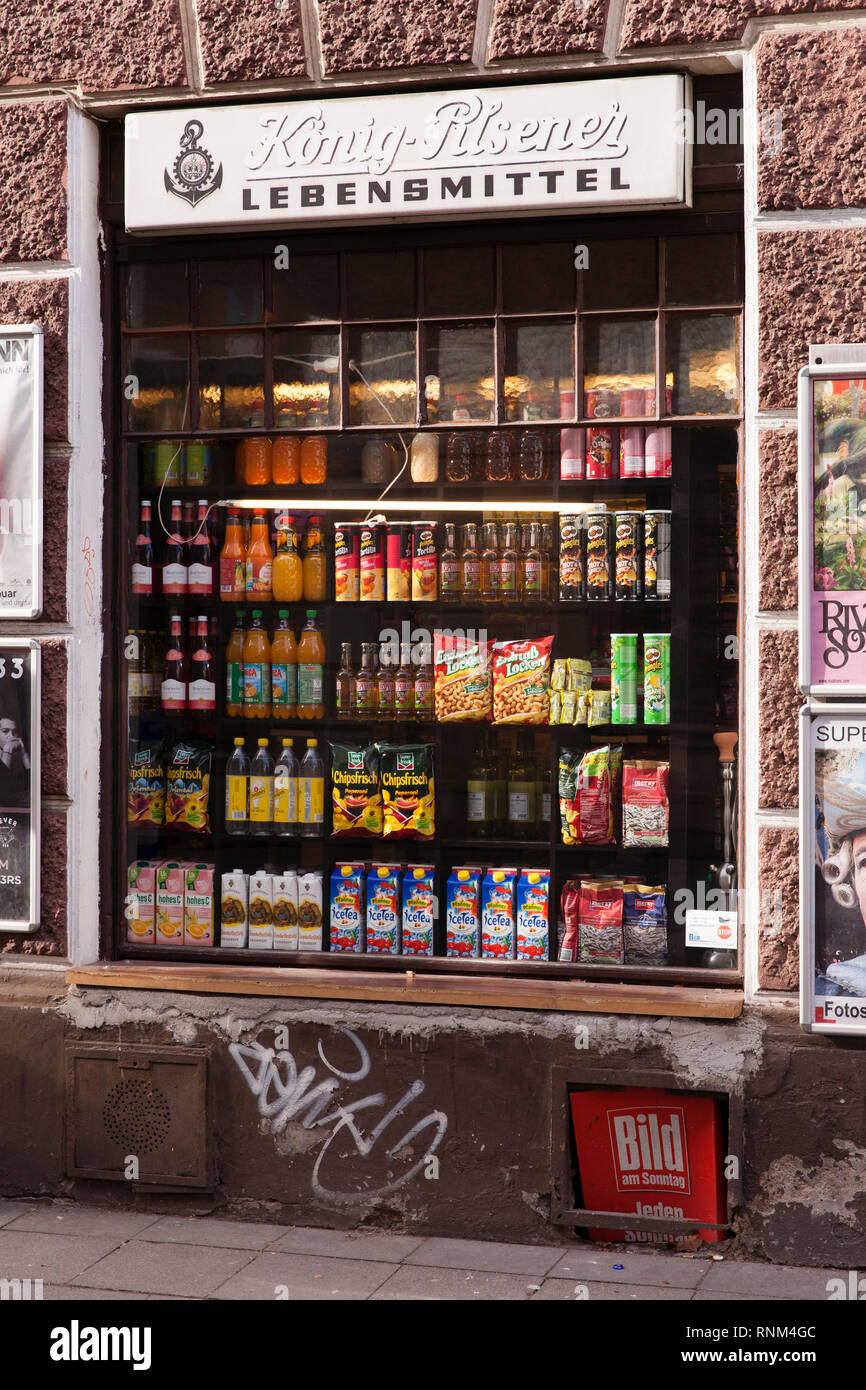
(92, 1253)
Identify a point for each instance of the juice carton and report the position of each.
(310, 910)
(384, 923)
(286, 911)
(420, 909)
(233, 910)
(169, 903)
(497, 914)
(198, 905)
(141, 903)
(261, 912)
(533, 914)
(463, 911)
(347, 908)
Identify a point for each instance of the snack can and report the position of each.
(261, 912)
(399, 561)
(141, 902)
(572, 557)
(463, 912)
(657, 555)
(424, 568)
(310, 910)
(498, 924)
(656, 677)
(384, 919)
(650, 400)
(347, 908)
(372, 562)
(286, 911)
(169, 903)
(167, 461)
(198, 466)
(631, 452)
(623, 677)
(420, 910)
(628, 544)
(198, 905)
(533, 915)
(601, 404)
(572, 453)
(658, 452)
(599, 554)
(347, 561)
(233, 909)
(633, 401)
(599, 453)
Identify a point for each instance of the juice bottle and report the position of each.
(365, 682)
(288, 571)
(311, 670)
(286, 460)
(259, 559)
(257, 670)
(509, 568)
(470, 565)
(233, 581)
(314, 459)
(261, 790)
(237, 790)
(257, 461)
(314, 563)
(286, 790)
(311, 792)
(345, 686)
(284, 669)
(385, 687)
(490, 563)
(404, 685)
(235, 667)
(449, 566)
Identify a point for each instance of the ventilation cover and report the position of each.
(146, 1103)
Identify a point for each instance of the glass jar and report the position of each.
(285, 460)
(314, 460)
(499, 460)
(458, 458)
(532, 456)
(424, 465)
(378, 461)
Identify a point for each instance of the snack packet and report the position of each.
(188, 787)
(521, 681)
(462, 692)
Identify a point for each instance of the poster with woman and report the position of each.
(19, 785)
(21, 385)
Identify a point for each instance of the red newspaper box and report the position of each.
(650, 1153)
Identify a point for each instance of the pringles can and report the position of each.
(628, 547)
(372, 561)
(398, 558)
(657, 677)
(424, 569)
(631, 452)
(658, 453)
(657, 555)
(599, 554)
(347, 561)
(623, 677)
(572, 557)
(600, 443)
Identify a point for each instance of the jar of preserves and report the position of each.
(458, 458)
(378, 461)
(532, 456)
(257, 461)
(314, 460)
(286, 460)
(499, 459)
(424, 465)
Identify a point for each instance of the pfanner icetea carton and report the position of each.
(261, 911)
(463, 912)
(310, 910)
(420, 909)
(198, 905)
(498, 926)
(286, 911)
(169, 903)
(233, 909)
(533, 914)
(384, 921)
(347, 908)
(141, 903)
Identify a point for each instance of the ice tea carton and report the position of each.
(463, 911)
(420, 909)
(498, 927)
(233, 909)
(261, 911)
(533, 914)
(347, 908)
(198, 905)
(169, 903)
(310, 910)
(286, 911)
(384, 918)
(141, 903)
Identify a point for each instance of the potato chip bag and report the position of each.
(356, 798)
(408, 791)
(188, 787)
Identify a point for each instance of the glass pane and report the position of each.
(459, 383)
(703, 270)
(459, 282)
(157, 296)
(230, 292)
(702, 361)
(306, 379)
(231, 381)
(307, 290)
(380, 285)
(160, 366)
(538, 279)
(382, 383)
(619, 367)
(539, 371)
(621, 274)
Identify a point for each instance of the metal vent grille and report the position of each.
(137, 1116)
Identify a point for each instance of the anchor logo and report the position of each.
(194, 176)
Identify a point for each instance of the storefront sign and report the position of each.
(832, 417)
(717, 930)
(19, 784)
(556, 147)
(20, 471)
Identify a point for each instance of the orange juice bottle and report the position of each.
(259, 559)
(233, 583)
(288, 573)
(311, 670)
(257, 461)
(284, 669)
(257, 669)
(314, 562)
(314, 459)
(286, 460)
(235, 668)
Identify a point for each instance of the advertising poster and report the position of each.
(20, 471)
(19, 785)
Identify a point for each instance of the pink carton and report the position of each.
(141, 903)
(169, 903)
(198, 905)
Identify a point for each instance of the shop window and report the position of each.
(157, 295)
(538, 278)
(460, 380)
(231, 393)
(620, 273)
(306, 379)
(382, 376)
(539, 370)
(703, 270)
(380, 285)
(702, 364)
(459, 281)
(157, 383)
(306, 289)
(619, 374)
(229, 292)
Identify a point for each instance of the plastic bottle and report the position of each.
(287, 580)
(261, 790)
(314, 563)
(286, 790)
(235, 667)
(237, 790)
(259, 560)
(257, 669)
(233, 582)
(311, 792)
(284, 669)
(311, 670)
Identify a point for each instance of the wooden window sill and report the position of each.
(408, 987)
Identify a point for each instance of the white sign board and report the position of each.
(20, 470)
(494, 151)
(717, 930)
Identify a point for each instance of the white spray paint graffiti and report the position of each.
(283, 1095)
